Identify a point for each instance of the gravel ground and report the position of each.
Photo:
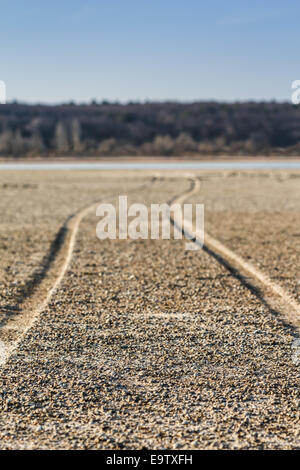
(33, 207)
(146, 345)
(257, 215)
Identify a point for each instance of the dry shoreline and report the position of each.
(145, 344)
(146, 159)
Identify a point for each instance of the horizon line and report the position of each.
(95, 102)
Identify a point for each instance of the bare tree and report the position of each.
(61, 138)
(76, 136)
(6, 142)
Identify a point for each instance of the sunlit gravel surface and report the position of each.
(147, 345)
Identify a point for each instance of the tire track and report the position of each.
(53, 271)
(270, 293)
(60, 255)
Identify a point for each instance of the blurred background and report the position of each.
(160, 78)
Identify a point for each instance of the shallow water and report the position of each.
(138, 165)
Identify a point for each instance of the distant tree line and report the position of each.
(166, 129)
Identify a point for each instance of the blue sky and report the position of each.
(149, 49)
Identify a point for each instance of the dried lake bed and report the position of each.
(144, 344)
